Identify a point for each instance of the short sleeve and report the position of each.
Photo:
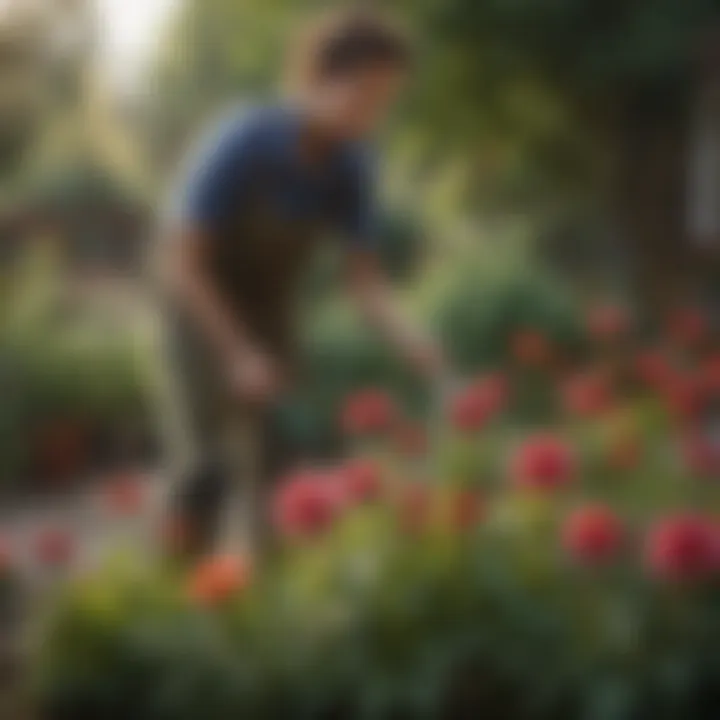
(214, 177)
(357, 211)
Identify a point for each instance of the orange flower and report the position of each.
(217, 579)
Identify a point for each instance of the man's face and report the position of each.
(353, 106)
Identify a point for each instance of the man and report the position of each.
(269, 186)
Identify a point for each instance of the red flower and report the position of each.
(306, 504)
(531, 347)
(543, 462)
(587, 395)
(54, 547)
(592, 534)
(702, 455)
(125, 495)
(688, 326)
(411, 440)
(683, 547)
(217, 579)
(608, 322)
(367, 412)
(362, 481)
(477, 404)
(684, 396)
(654, 369)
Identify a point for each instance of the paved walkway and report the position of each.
(87, 519)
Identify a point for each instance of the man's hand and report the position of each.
(254, 377)
(373, 296)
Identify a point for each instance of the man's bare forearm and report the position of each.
(184, 272)
(380, 309)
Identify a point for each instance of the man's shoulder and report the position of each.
(243, 127)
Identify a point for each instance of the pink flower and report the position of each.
(587, 395)
(218, 579)
(306, 504)
(368, 412)
(608, 322)
(592, 534)
(688, 326)
(531, 347)
(543, 462)
(682, 547)
(362, 481)
(477, 404)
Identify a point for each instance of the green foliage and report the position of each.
(60, 365)
(522, 94)
(373, 622)
(486, 305)
(396, 609)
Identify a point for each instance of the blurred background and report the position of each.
(545, 149)
(549, 154)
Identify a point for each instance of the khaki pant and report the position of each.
(223, 457)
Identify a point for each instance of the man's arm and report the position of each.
(207, 196)
(375, 299)
(184, 274)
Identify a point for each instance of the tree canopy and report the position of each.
(505, 83)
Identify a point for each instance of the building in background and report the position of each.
(69, 171)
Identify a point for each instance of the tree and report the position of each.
(574, 101)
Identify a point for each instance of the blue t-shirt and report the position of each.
(221, 175)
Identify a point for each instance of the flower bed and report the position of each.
(564, 570)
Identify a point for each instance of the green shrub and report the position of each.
(577, 586)
(484, 307)
(62, 362)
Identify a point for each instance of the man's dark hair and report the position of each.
(346, 41)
